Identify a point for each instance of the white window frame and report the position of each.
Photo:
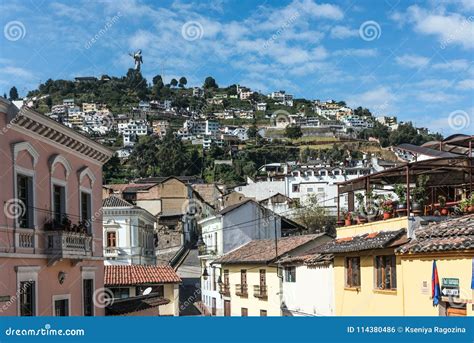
(25, 274)
(61, 297)
(88, 273)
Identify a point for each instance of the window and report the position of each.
(336, 172)
(263, 277)
(214, 307)
(25, 197)
(120, 293)
(111, 239)
(226, 276)
(61, 307)
(310, 189)
(352, 271)
(88, 291)
(385, 272)
(263, 313)
(320, 189)
(290, 274)
(243, 277)
(86, 209)
(295, 188)
(322, 173)
(27, 298)
(244, 312)
(59, 202)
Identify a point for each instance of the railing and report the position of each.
(241, 290)
(260, 291)
(26, 239)
(64, 244)
(111, 252)
(204, 250)
(225, 289)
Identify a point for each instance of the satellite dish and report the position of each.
(147, 291)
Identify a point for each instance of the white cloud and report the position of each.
(437, 97)
(356, 52)
(378, 100)
(412, 61)
(450, 29)
(453, 65)
(342, 32)
(467, 84)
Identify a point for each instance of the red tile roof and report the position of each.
(264, 251)
(123, 275)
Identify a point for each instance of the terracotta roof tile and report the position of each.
(263, 251)
(451, 234)
(113, 201)
(122, 275)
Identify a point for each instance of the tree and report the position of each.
(209, 82)
(13, 93)
(174, 82)
(157, 80)
(293, 132)
(315, 218)
(5, 95)
(182, 81)
(362, 112)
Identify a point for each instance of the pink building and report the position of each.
(51, 260)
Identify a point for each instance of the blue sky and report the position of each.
(412, 59)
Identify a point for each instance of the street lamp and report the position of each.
(205, 274)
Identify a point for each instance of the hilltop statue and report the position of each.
(137, 56)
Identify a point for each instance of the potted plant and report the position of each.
(419, 194)
(361, 213)
(442, 205)
(470, 207)
(347, 218)
(464, 204)
(387, 207)
(401, 193)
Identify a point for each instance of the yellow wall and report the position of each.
(417, 269)
(253, 304)
(381, 225)
(366, 300)
(171, 291)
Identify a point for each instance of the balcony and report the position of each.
(241, 290)
(224, 289)
(260, 291)
(111, 252)
(63, 244)
(204, 250)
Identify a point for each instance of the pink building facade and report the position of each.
(51, 260)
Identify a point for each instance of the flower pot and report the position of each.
(387, 215)
(444, 211)
(416, 208)
(347, 222)
(470, 209)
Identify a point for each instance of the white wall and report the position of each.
(262, 190)
(313, 292)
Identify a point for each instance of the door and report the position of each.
(61, 308)
(214, 306)
(227, 308)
